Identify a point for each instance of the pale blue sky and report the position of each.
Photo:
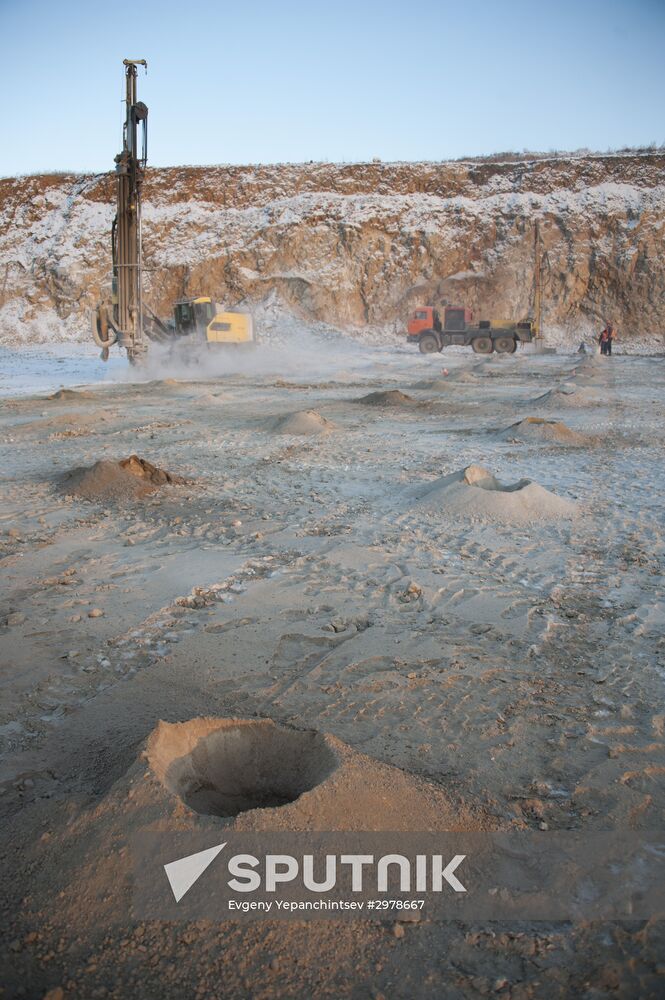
(263, 82)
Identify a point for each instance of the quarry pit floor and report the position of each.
(315, 568)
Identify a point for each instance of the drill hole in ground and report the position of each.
(237, 767)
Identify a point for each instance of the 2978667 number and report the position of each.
(395, 904)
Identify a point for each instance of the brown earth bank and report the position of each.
(352, 245)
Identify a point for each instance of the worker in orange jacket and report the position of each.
(606, 338)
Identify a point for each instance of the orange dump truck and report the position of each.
(432, 330)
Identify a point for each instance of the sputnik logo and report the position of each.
(430, 872)
(182, 874)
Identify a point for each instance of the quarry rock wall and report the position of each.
(353, 245)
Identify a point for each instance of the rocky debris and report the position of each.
(146, 471)
(128, 478)
(303, 422)
(412, 593)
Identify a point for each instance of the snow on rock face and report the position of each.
(351, 245)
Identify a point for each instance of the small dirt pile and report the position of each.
(537, 429)
(74, 394)
(474, 493)
(127, 479)
(438, 385)
(303, 422)
(156, 384)
(387, 397)
(567, 396)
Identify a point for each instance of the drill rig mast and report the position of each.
(126, 320)
(123, 321)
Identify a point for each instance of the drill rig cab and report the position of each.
(192, 316)
(199, 317)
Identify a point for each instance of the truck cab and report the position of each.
(423, 318)
(455, 319)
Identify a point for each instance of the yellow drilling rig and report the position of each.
(126, 320)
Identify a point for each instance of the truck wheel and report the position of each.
(482, 345)
(428, 344)
(505, 345)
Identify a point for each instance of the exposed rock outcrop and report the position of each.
(351, 245)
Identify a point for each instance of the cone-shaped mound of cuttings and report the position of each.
(124, 479)
(303, 422)
(262, 775)
(474, 492)
(538, 429)
(387, 397)
(567, 396)
(71, 394)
